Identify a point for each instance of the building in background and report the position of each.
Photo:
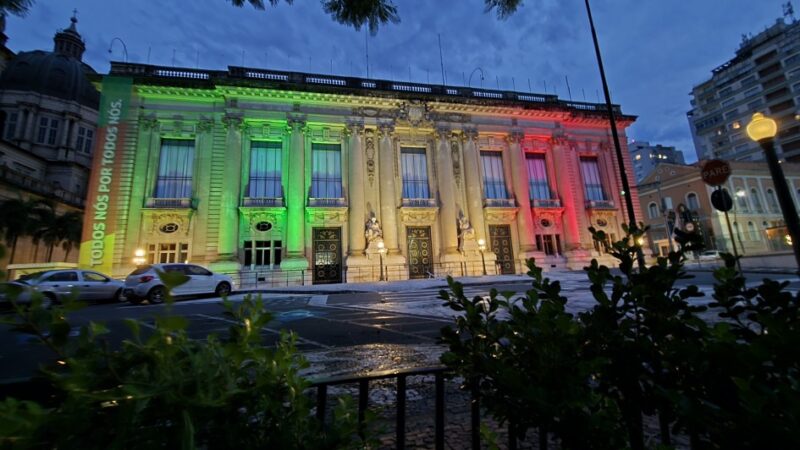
(756, 218)
(763, 76)
(291, 177)
(48, 116)
(646, 157)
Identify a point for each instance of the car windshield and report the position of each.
(30, 276)
(141, 269)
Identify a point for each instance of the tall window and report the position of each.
(85, 140)
(265, 170)
(751, 228)
(494, 185)
(691, 202)
(11, 126)
(652, 210)
(740, 199)
(591, 179)
(48, 130)
(326, 176)
(175, 169)
(756, 200)
(772, 201)
(415, 173)
(537, 177)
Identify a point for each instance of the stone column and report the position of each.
(519, 176)
(230, 195)
(572, 198)
(296, 199)
(356, 196)
(447, 199)
(386, 163)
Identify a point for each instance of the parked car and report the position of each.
(145, 284)
(85, 285)
(710, 255)
(20, 292)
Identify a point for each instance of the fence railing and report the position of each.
(401, 378)
(266, 278)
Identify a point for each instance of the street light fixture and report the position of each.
(762, 129)
(138, 257)
(482, 248)
(124, 48)
(381, 251)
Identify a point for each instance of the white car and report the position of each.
(145, 284)
(710, 255)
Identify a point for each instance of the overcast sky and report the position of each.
(654, 51)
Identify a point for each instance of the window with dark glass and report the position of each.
(494, 185)
(85, 140)
(175, 169)
(326, 174)
(48, 130)
(265, 170)
(692, 202)
(415, 173)
(172, 252)
(11, 126)
(262, 254)
(537, 177)
(550, 244)
(592, 184)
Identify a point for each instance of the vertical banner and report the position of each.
(100, 216)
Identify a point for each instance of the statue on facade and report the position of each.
(372, 230)
(465, 231)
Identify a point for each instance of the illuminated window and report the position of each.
(175, 169)
(592, 183)
(537, 177)
(415, 173)
(326, 175)
(751, 228)
(494, 185)
(265, 170)
(736, 125)
(756, 200)
(638, 157)
(167, 253)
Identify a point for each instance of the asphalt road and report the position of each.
(400, 319)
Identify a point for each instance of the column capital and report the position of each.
(386, 129)
(205, 125)
(470, 133)
(353, 127)
(296, 122)
(515, 136)
(232, 122)
(148, 121)
(442, 132)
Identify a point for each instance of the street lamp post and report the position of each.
(762, 130)
(381, 251)
(124, 48)
(482, 248)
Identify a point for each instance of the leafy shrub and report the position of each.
(162, 389)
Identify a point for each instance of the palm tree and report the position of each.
(71, 225)
(15, 221)
(44, 226)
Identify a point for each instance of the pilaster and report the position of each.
(296, 198)
(388, 196)
(447, 201)
(519, 174)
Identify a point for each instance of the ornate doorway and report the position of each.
(327, 255)
(420, 257)
(500, 238)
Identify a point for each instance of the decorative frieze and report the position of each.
(418, 216)
(326, 215)
(500, 215)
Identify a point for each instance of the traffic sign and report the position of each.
(715, 172)
(721, 200)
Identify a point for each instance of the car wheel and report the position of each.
(156, 295)
(223, 289)
(50, 299)
(117, 296)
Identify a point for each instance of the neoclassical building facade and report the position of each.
(326, 179)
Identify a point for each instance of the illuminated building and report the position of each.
(282, 176)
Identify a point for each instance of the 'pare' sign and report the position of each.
(715, 172)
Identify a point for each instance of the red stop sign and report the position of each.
(715, 172)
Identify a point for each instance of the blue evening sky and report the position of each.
(654, 51)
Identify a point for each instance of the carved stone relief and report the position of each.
(454, 155)
(369, 146)
(418, 216)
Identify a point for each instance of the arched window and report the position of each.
(751, 228)
(756, 199)
(692, 202)
(772, 201)
(737, 230)
(652, 210)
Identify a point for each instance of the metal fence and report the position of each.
(400, 377)
(257, 279)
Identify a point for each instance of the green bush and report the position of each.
(162, 389)
(641, 354)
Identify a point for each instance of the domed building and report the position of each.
(48, 116)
